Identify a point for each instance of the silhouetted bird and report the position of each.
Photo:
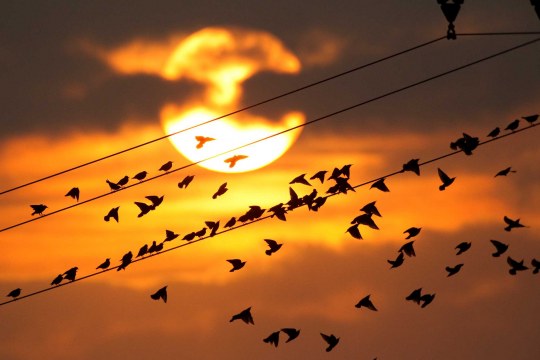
(57, 280)
(453, 270)
(365, 219)
(494, 133)
(74, 193)
(319, 175)
(202, 140)
(104, 265)
(278, 211)
(160, 294)
(294, 201)
(273, 245)
(143, 207)
(213, 226)
(366, 302)
(536, 264)
(331, 340)
(237, 264)
(300, 179)
(512, 223)
(153, 248)
(513, 125)
(336, 173)
(500, 248)
(143, 250)
(446, 180)
(379, 184)
(398, 262)
(292, 333)
(38, 209)
(14, 293)
(244, 315)
(166, 167)
(170, 235)
(371, 209)
(412, 232)
(317, 203)
(230, 223)
(530, 118)
(186, 181)
(140, 176)
(415, 296)
(113, 186)
(201, 232)
(346, 170)
(505, 172)
(426, 299)
(71, 274)
(515, 266)
(125, 261)
(272, 339)
(412, 165)
(123, 181)
(408, 249)
(222, 190)
(189, 236)
(113, 213)
(466, 144)
(234, 159)
(355, 232)
(156, 200)
(462, 247)
(342, 186)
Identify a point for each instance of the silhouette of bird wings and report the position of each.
(412, 232)
(415, 296)
(186, 181)
(354, 231)
(113, 213)
(365, 219)
(244, 315)
(398, 262)
(408, 249)
(453, 270)
(234, 159)
(273, 245)
(446, 180)
(300, 179)
(160, 294)
(166, 167)
(366, 302)
(237, 264)
(170, 235)
(292, 333)
(427, 299)
(462, 247)
(380, 185)
(412, 165)
(74, 193)
(536, 264)
(500, 248)
(370, 208)
(145, 208)
(319, 175)
(272, 339)
(505, 172)
(512, 223)
(222, 190)
(202, 140)
(38, 209)
(331, 340)
(516, 266)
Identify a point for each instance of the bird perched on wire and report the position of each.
(160, 294)
(273, 246)
(331, 340)
(140, 175)
(515, 266)
(70, 274)
(494, 133)
(244, 315)
(513, 125)
(412, 165)
(530, 118)
(272, 339)
(512, 224)
(113, 186)
(125, 261)
(230, 223)
(15, 293)
(237, 264)
(500, 248)
(201, 140)
(57, 280)
(123, 181)
(446, 180)
(38, 209)
(166, 167)
(380, 185)
(104, 265)
(367, 303)
(222, 190)
(74, 193)
(234, 159)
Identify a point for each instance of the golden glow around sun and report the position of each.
(230, 134)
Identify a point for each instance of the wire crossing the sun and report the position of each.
(299, 89)
(376, 98)
(86, 277)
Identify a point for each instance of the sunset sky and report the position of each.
(85, 79)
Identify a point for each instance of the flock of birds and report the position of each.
(340, 178)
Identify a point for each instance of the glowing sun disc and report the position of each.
(230, 134)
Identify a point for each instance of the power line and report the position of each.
(393, 92)
(333, 77)
(438, 158)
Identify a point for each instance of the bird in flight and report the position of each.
(170, 235)
(412, 165)
(300, 179)
(370, 208)
(201, 140)
(319, 175)
(365, 219)
(272, 339)
(505, 172)
(408, 249)
(379, 184)
(415, 296)
(244, 315)
(331, 340)
(512, 223)
(140, 176)
(113, 213)
(530, 118)
(366, 302)
(494, 133)
(166, 167)
(222, 190)
(15, 293)
(186, 181)
(536, 264)
(74, 193)
(237, 264)
(426, 299)
(113, 186)
(292, 333)
(354, 231)
(446, 180)
(453, 270)
(462, 247)
(234, 159)
(398, 262)
(143, 207)
(160, 294)
(513, 125)
(273, 246)
(38, 209)
(412, 232)
(515, 266)
(500, 248)
(104, 265)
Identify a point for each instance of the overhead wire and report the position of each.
(86, 277)
(299, 89)
(365, 102)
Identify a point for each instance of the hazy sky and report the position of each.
(82, 80)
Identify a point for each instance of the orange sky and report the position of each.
(320, 273)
